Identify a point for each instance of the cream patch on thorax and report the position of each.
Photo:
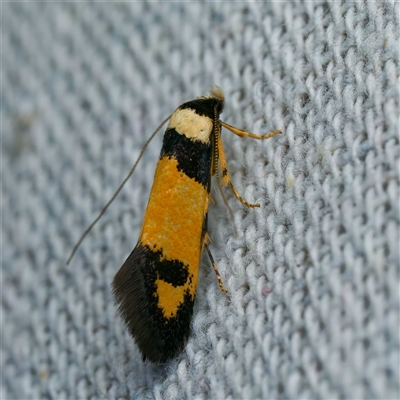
(194, 126)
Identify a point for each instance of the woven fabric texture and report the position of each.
(312, 275)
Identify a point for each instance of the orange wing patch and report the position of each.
(173, 224)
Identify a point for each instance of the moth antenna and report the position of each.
(89, 228)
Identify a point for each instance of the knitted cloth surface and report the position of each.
(312, 275)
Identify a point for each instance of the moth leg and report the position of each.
(221, 286)
(226, 179)
(243, 133)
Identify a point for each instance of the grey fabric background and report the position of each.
(313, 274)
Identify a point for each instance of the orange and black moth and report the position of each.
(156, 286)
